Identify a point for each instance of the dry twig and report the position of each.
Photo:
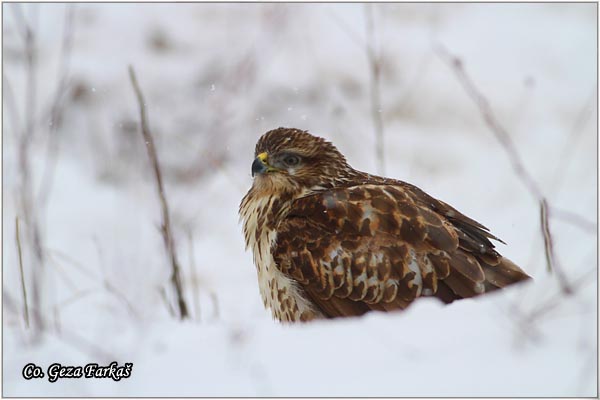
(574, 219)
(165, 298)
(544, 308)
(375, 82)
(28, 209)
(193, 276)
(491, 121)
(23, 286)
(551, 260)
(583, 116)
(57, 107)
(166, 229)
(69, 337)
(511, 150)
(11, 105)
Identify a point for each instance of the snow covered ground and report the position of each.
(217, 76)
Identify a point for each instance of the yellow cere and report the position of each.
(262, 157)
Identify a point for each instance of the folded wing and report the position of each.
(381, 246)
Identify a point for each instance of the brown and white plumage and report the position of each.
(331, 241)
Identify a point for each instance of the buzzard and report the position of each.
(330, 241)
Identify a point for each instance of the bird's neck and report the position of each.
(261, 213)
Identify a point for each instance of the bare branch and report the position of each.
(555, 301)
(195, 280)
(574, 219)
(551, 260)
(375, 78)
(85, 345)
(583, 116)
(113, 290)
(546, 234)
(166, 230)
(69, 337)
(57, 107)
(163, 295)
(492, 122)
(511, 150)
(56, 254)
(57, 308)
(106, 284)
(23, 286)
(11, 104)
(26, 198)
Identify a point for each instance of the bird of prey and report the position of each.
(330, 241)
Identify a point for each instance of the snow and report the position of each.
(217, 76)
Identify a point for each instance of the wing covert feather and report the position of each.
(377, 247)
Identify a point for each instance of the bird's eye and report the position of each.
(291, 160)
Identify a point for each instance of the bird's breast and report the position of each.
(279, 293)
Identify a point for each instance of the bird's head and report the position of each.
(292, 160)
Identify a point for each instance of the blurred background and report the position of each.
(81, 218)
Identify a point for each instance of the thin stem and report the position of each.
(510, 148)
(166, 229)
(23, 286)
(375, 82)
(551, 260)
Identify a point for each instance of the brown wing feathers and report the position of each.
(379, 247)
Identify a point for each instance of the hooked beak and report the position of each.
(259, 165)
